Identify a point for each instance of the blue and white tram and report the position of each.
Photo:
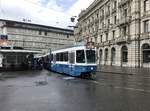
(74, 61)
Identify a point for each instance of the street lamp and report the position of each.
(73, 18)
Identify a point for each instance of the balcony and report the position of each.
(105, 28)
(95, 34)
(100, 44)
(146, 14)
(106, 43)
(121, 39)
(145, 35)
(112, 41)
(122, 3)
(124, 20)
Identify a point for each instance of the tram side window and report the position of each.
(80, 56)
(71, 58)
(65, 56)
(51, 57)
(61, 56)
(57, 57)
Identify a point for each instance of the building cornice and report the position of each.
(17, 24)
(96, 5)
(92, 8)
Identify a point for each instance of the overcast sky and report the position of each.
(47, 12)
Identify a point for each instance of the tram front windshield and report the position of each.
(80, 56)
(90, 55)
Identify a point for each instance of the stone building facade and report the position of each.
(120, 30)
(35, 37)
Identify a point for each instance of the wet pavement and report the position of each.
(123, 70)
(47, 91)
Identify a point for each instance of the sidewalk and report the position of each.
(124, 70)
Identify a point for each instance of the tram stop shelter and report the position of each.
(15, 59)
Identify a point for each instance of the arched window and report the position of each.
(146, 53)
(106, 54)
(113, 54)
(124, 54)
(100, 55)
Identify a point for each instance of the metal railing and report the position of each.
(124, 20)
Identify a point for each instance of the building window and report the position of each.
(146, 53)
(146, 5)
(102, 12)
(146, 26)
(103, 25)
(95, 39)
(40, 32)
(108, 22)
(115, 4)
(106, 54)
(124, 31)
(100, 55)
(124, 54)
(106, 36)
(87, 39)
(91, 39)
(45, 33)
(97, 15)
(101, 38)
(108, 9)
(113, 55)
(125, 12)
(113, 34)
(115, 19)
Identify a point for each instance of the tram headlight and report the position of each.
(83, 69)
(92, 68)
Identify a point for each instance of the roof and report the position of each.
(69, 48)
(12, 23)
(19, 51)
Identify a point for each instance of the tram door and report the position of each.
(71, 61)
